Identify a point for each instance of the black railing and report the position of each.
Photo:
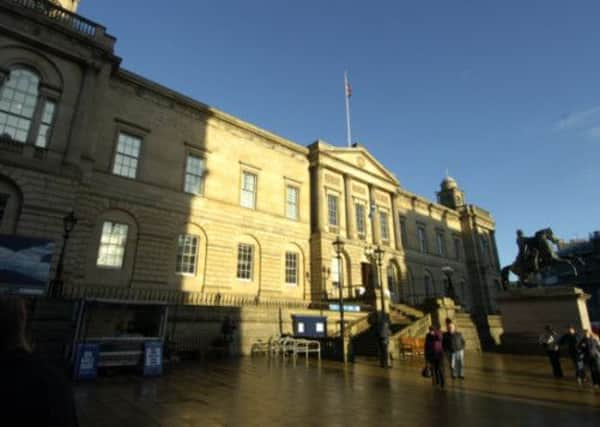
(60, 15)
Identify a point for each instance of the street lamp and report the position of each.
(379, 254)
(69, 222)
(448, 272)
(338, 245)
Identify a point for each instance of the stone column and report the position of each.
(350, 219)
(374, 214)
(320, 200)
(395, 223)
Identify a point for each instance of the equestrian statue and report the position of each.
(536, 255)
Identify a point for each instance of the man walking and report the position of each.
(590, 347)
(571, 340)
(454, 347)
(549, 340)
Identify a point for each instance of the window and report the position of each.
(194, 172)
(245, 256)
(3, 204)
(422, 237)
(112, 245)
(359, 210)
(126, 157)
(440, 243)
(291, 202)
(45, 124)
(384, 226)
(248, 197)
(403, 232)
(19, 98)
(336, 271)
(457, 248)
(291, 268)
(332, 210)
(187, 254)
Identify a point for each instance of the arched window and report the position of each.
(428, 284)
(393, 284)
(25, 116)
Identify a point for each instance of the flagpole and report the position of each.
(347, 96)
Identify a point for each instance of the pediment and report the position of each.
(361, 159)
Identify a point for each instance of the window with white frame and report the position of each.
(194, 173)
(332, 210)
(127, 155)
(422, 238)
(440, 243)
(19, 101)
(361, 228)
(384, 226)
(112, 245)
(291, 268)
(248, 196)
(187, 254)
(291, 204)
(245, 260)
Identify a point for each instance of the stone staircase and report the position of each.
(364, 343)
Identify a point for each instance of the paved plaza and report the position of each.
(498, 391)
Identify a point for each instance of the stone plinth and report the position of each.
(525, 313)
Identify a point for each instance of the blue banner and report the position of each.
(86, 363)
(153, 358)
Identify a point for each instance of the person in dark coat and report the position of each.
(228, 328)
(590, 347)
(571, 340)
(550, 341)
(453, 344)
(31, 392)
(383, 340)
(434, 356)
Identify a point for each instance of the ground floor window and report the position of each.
(291, 268)
(244, 266)
(187, 254)
(112, 245)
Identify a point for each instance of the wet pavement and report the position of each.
(497, 391)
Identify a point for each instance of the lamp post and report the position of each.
(379, 253)
(338, 245)
(450, 292)
(69, 222)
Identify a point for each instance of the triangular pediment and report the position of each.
(360, 158)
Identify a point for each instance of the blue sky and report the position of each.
(505, 95)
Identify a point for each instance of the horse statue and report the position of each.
(536, 254)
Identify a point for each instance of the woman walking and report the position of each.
(590, 347)
(434, 356)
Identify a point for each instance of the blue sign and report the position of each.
(309, 326)
(86, 363)
(153, 358)
(25, 264)
(347, 308)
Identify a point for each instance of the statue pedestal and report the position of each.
(525, 313)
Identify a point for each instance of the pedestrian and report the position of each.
(453, 344)
(31, 392)
(571, 340)
(434, 356)
(549, 340)
(383, 339)
(228, 328)
(590, 347)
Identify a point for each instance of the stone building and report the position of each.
(176, 199)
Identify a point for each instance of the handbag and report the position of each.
(426, 372)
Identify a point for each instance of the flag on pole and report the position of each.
(348, 90)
